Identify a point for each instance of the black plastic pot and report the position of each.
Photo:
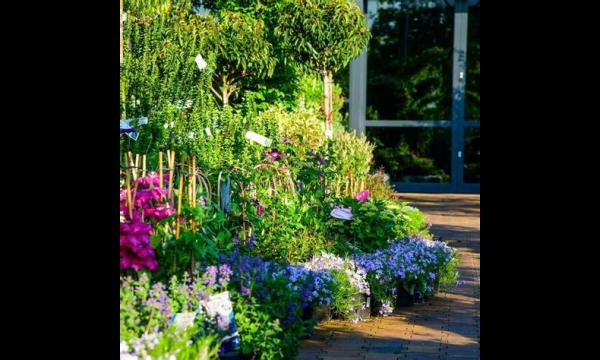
(318, 314)
(403, 297)
(436, 284)
(375, 307)
(418, 297)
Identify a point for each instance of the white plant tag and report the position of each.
(259, 139)
(342, 213)
(200, 62)
(126, 124)
(208, 132)
(184, 320)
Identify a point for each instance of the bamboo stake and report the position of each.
(137, 164)
(194, 192)
(179, 200)
(189, 185)
(129, 200)
(144, 165)
(160, 169)
(171, 159)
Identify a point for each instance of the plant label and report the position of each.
(219, 308)
(259, 139)
(200, 62)
(184, 320)
(208, 132)
(342, 213)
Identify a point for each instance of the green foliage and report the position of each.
(322, 35)
(259, 332)
(350, 157)
(379, 185)
(415, 220)
(243, 51)
(375, 223)
(193, 247)
(178, 342)
(302, 126)
(310, 94)
(346, 297)
(159, 75)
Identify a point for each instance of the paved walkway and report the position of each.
(445, 327)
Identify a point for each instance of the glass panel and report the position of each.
(472, 152)
(409, 60)
(413, 154)
(473, 64)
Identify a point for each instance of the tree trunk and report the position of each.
(327, 101)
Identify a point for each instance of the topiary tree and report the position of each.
(242, 49)
(323, 36)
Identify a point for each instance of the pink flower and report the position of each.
(136, 251)
(159, 212)
(362, 196)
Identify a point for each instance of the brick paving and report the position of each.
(444, 327)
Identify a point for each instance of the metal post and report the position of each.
(358, 88)
(459, 78)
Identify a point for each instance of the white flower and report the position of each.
(200, 62)
(124, 347)
(191, 135)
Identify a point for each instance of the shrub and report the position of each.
(349, 157)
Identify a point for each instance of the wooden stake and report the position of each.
(171, 160)
(194, 192)
(144, 165)
(179, 200)
(137, 164)
(129, 199)
(160, 169)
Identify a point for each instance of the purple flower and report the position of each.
(273, 154)
(210, 277)
(224, 274)
(250, 242)
(285, 140)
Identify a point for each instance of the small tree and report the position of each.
(323, 36)
(242, 49)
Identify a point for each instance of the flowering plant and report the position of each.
(415, 263)
(140, 209)
(356, 275)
